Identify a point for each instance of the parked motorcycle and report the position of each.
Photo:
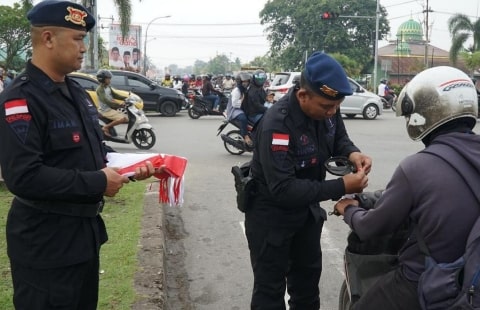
(365, 261)
(202, 107)
(139, 130)
(233, 140)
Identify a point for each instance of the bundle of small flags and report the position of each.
(171, 179)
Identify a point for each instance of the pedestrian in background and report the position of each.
(53, 161)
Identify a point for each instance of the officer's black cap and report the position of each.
(326, 77)
(61, 14)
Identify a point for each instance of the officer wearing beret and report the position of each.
(53, 161)
(284, 220)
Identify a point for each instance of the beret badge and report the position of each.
(328, 91)
(76, 16)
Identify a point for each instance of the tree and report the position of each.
(15, 35)
(472, 60)
(296, 29)
(461, 29)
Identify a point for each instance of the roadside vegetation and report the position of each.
(118, 263)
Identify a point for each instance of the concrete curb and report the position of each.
(150, 277)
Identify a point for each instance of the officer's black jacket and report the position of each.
(52, 152)
(291, 179)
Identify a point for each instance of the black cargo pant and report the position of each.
(66, 288)
(285, 258)
(392, 291)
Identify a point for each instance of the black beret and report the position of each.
(61, 14)
(326, 77)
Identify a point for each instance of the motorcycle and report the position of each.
(139, 131)
(202, 107)
(233, 140)
(387, 105)
(365, 261)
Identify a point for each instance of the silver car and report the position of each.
(362, 102)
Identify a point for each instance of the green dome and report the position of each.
(410, 31)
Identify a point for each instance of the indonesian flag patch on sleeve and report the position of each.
(18, 117)
(280, 141)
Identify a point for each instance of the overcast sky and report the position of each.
(203, 29)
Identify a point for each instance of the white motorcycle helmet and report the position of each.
(434, 97)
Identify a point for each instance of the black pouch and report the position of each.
(244, 185)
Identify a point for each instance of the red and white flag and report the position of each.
(171, 180)
(280, 139)
(18, 106)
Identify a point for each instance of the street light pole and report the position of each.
(375, 61)
(145, 43)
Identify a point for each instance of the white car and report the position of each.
(282, 82)
(362, 102)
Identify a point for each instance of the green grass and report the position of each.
(122, 215)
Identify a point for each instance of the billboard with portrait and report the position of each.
(124, 53)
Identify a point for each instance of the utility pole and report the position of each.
(375, 62)
(426, 11)
(95, 37)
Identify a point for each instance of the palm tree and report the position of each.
(461, 29)
(124, 9)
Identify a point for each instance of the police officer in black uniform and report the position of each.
(284, 221)
(53, 161)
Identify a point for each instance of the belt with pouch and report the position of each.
(64, 208)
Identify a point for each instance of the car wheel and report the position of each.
(168, 108)
(370, 112)
(350, 115)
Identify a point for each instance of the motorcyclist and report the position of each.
(256, 96)
(440, 109)
(210, 93)
(228, 83)
(167, 82)
(177, 82)
(234, 110)
(384, 91)
(108, 106)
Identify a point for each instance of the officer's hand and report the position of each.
(355, 182)
(146, 171)
(115, 181)
(361, 161)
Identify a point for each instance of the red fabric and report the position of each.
(171, 180)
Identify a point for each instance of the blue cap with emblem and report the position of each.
(326, 77)
(61, 14)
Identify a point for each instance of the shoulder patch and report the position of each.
(18, 117)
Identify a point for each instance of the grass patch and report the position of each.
(118, 257)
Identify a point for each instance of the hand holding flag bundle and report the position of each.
(171, 178)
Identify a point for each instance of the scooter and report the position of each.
(139, 131)
(233, 140)
(365, 261)
(388, 105)
(202, 107)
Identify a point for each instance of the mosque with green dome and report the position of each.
(405, 56)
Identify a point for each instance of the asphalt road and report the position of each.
(215, 263)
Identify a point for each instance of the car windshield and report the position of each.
(280, 79)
